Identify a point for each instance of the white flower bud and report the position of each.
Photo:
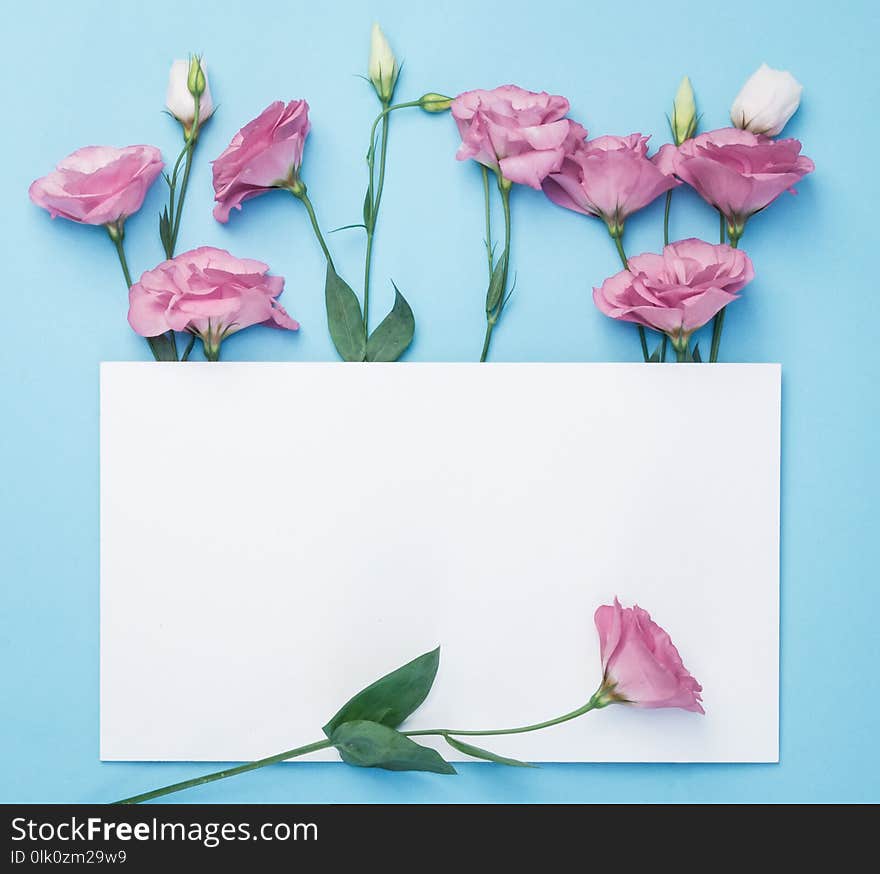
(180, 101)
(383, 67)
(684, 113)
(767, 101)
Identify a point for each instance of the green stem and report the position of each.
(490, 326)
(492, 317)
(384, 113)
(303, 196)
(375, 201)
(227, 772)
(681, 354)
(116, 238)
(163, 347)
(666, 218)
(721, 226)
(186, 152)
(718, 324)
(489, 252)
(375, 192)
(643, 339)
(184, 184)
(663, 344)
(592, 704)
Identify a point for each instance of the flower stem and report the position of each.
(374, 194)
(184, 184)
(227, 772)
(163, 347)
(643, 339)
(489, 252)
(375, 199)
(666, 217)
(718, 324)
(594, 703)
(175, 212)
(490, 326)
(303, 196)
(493, 316)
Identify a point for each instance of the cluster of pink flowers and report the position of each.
(206, 292)
(525, 137)
(522, 137)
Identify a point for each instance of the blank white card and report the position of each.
(274, 537)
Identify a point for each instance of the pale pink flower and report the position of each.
(521, 134)
(99, 185)
(640, 663)
(736, 171)
(608, 177)
(207, 292)
(678, 291)
(266, 153)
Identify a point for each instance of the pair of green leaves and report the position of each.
(346, 322)
(364, 730)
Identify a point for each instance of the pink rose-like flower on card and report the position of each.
(640, 663)
(523, 135)
(210, 293)
(266, 153)
(678, 291)
(610, 178)
(98, 185)
(736, 171)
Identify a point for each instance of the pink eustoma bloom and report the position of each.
(99, 185)
(523, 135)
(678, 291)
(640, 663)
(609, 177)
(736, 171)
(266, 153)
(207, 292)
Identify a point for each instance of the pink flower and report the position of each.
(521, 134)
(207, 292)
(608, 177)
(266, 153)
(99, 185)
(640, 662)
(736, 171)
(678, 291)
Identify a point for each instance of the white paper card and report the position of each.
(274, 537)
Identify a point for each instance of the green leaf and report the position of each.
(695, 355)
(368, 744)
(479, 753)
(393, 697)
(189, 348)
(395, 332)
(496, 284)
(344, 318)
(655, 356)
(368, 209)
(165, 230)
(163, 347)
(346, 228)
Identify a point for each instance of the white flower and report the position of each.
(383, 65)
(767, 101)
(180, 100)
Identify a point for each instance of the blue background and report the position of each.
(86, 73)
